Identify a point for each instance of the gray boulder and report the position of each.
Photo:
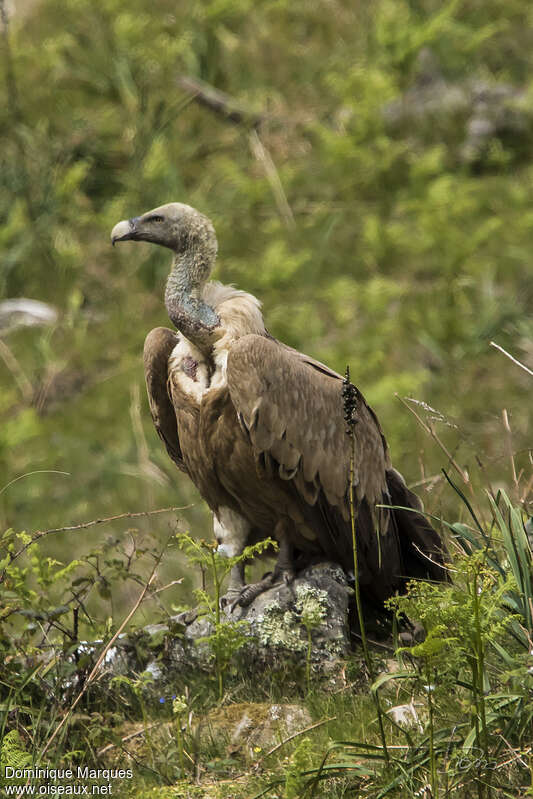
(289, 622)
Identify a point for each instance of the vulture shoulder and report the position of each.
(292, 409)
(158, 347)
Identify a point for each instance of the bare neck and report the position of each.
(192, 316)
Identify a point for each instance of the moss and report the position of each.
(180, 790)
(227, 717)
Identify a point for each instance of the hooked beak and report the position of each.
(125, 230)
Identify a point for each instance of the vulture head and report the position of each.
(191, 236)
(175, 225)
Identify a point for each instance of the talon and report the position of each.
(246, 595)
(234, 604)
(288, 576)
(251, 592)
(229, 597)
(230, 600)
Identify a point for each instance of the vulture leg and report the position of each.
(236, 585)
(283, 570)
(232, 532)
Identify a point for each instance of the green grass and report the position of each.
(402, 261)
(457, 708)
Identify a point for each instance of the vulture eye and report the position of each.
(156, 218)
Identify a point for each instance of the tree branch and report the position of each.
(219, 102)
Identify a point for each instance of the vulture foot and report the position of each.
(250, 592)
(230, 599)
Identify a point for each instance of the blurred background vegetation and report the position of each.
(382, 211)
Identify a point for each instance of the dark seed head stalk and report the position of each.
(349, 401)
(350, 397)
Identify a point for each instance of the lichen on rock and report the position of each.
(317, 601)
(279, 627)
(311, 605)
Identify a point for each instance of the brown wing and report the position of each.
(292, 410)
(158, 345)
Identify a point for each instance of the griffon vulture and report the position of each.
(259, 429)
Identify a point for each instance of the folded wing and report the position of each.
(292, 410)
(158, 346)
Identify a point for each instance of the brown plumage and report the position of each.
(258, 427)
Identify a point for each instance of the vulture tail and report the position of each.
(423, 552)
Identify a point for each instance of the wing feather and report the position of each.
(292, 408)
(158, 346)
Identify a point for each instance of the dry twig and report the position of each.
(514, 360)
(83, 526)
(223, 105)
(265, 159)
(293, 736)
(509, 447)
(129, 737)
(431, 431)
(103, 654)
(19, 376)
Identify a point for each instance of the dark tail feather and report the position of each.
(423, 551)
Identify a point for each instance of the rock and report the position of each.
(245, 730)
(276, 620)
(274, 632)
(317, 599)
(251, 728)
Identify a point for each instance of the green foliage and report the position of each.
(299, 762)
(43, 596)
(311, 605)
(400, 260)
(449, 612)
(468, 625)
(229, 635)
(50, 629)
(368, 243)
(179, 706)
(511, 526)
(13, 753)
